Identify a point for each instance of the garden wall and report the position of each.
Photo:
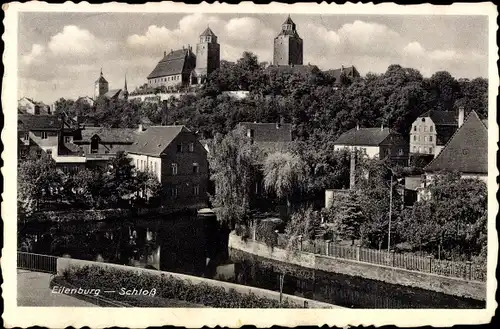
(65, 263)
(433, 282)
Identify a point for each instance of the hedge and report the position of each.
(168, 287)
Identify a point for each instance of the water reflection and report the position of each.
(339, 289)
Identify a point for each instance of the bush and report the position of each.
(168, 287)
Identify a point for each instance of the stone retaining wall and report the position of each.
(65, 263)
(447, 285)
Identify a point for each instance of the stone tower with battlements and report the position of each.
(288, 45)
(207, 55)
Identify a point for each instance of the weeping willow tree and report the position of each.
(232, 161)
(284, 174)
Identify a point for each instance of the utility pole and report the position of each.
(390, 215)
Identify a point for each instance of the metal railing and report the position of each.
(36, 262)
(463, 270)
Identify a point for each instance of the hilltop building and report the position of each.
(101, 86)
(182, 67)
(288, 45)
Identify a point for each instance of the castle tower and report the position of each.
(288, 46)
(100, 86)
(207, 55)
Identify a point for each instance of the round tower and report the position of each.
(288, 45)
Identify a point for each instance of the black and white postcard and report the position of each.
(305, 164)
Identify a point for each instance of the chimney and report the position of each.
(461, 114)
(352, 173)
(341, 68)
(164, 53)
(357, 126)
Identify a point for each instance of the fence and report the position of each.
(464, 270)
(37, 262)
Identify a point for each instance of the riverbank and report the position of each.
(450, 286)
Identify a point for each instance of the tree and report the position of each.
(348, 217)
(232, 162)
(452, 222)
(38, 183)
(119, 182)
(284, 175)
(87, 184)
(63, 105)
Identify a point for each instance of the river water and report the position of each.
(338, 289)
(183, 243)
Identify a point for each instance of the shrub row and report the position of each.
(168, 287)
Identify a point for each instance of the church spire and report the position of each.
(125, 88)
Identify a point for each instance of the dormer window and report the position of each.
(43, 135)
(250, 133)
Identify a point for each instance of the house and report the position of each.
(466, 151)
(179, 161)
(432, 130)
(174, 69)
(269, 136)
(303, 70)
(348, 72)
(375, 143)
(86, 100)
(28, 106)
(50, 135)
(99, 144)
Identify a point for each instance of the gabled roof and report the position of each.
(466, 151)
(171, 63)
(109, 135)
(441, 117)
(363, 137)
(155, 139)
(269, 132)
(208, 33)
(113, 93)
(38, 122)
(350, 71)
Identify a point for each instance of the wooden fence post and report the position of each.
(430, 264)
(393, 258)
(358, 252)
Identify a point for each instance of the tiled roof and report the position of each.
(350, 71)
(172, 63)
(111, 135)
(269, 133)
(441, 117)
(485, 123)
(208, 33)
(466, 151)
(38, 122)
(155, 139)
(112, 93)
(363, 136)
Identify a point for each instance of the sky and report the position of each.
(61, 54)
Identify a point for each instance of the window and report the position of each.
(400, 152)
(414, 149)
(94, 146)
(425, 128)
(155, 167)
(191, 147)
(179, 148)
(419, 150)
(196, 168)
(425, 138)
(196, 190)
(137, 163)
(174, 168)
(430, 138)
(414, 128)
(26, 136)
(44, 135)
(431, 128)
(423, 119)
(430, 150)
(414, 138)
(419, 128)
(175, 192)
(49, 152)
(250, 133)
(38, 153)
